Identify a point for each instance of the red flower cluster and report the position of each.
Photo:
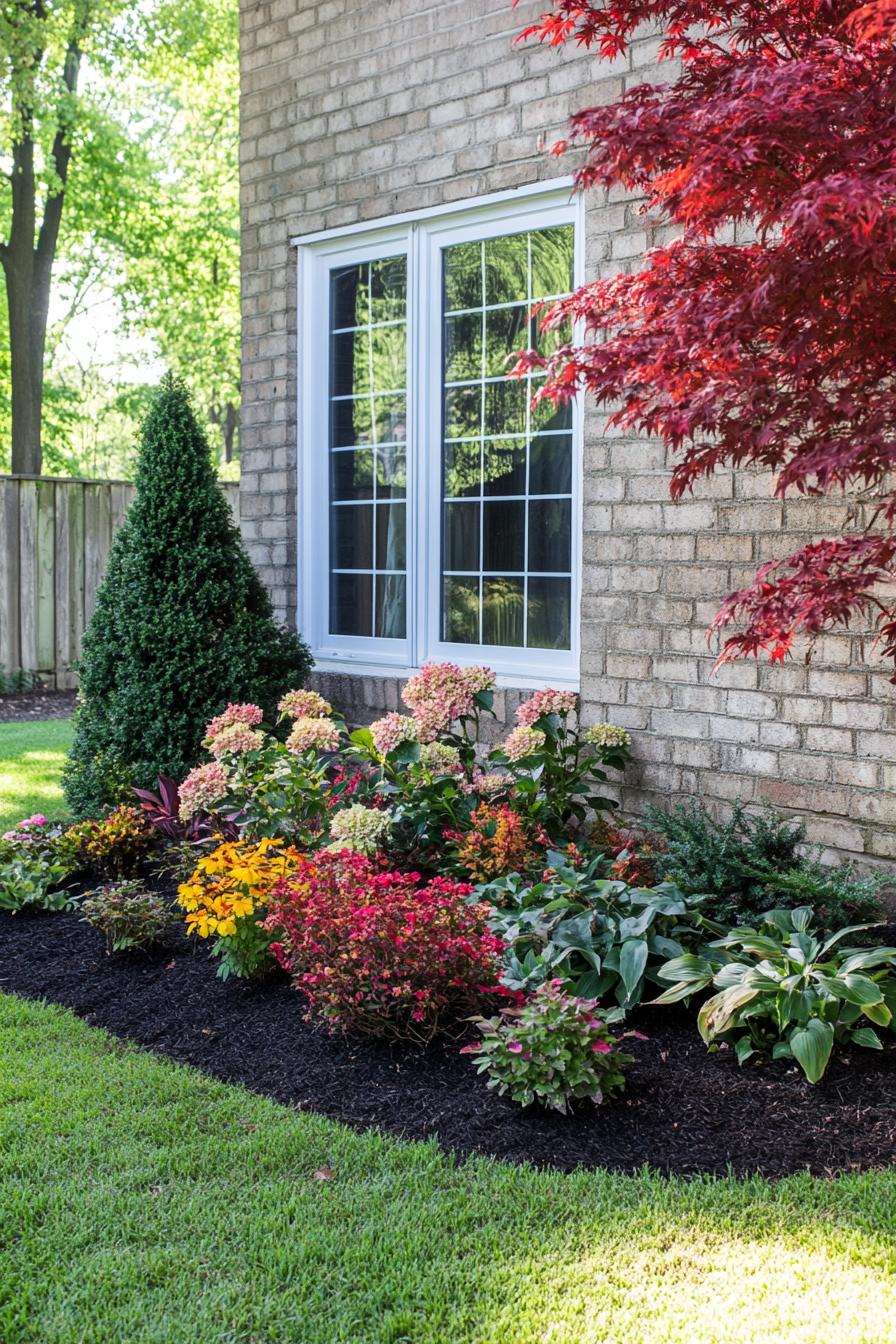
(499, 842)
(381, 952)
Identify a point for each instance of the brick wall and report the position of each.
(352, 112)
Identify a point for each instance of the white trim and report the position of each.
(421, 236)
(462, 207)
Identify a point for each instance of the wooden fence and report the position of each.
(55, 535)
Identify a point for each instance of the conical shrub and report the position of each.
(182, 624)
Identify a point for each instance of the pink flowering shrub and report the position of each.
(25, 829)
(443, 693)
(523, 742)
(203, 788)
(304, 705)
(554, 1049)
(569, 763)
(235, 739)
(249, 716)
(389, 732)
(313, 735)
(545, 702)
(382, 953)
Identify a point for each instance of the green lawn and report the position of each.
(31, 758)
(141, 1201)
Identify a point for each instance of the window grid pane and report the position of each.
(523, 497)
(367, 448)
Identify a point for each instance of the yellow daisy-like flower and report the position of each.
(202, 923)
(189, 895)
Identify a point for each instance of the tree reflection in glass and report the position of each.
(506, 467)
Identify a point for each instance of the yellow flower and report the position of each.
(202, 923)
(226, 927)
(189, 895)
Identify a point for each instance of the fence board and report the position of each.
(28, 574)
(45, 564)
(55, 535)
(10, 641)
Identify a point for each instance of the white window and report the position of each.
(439, 509)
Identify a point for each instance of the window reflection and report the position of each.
(368, 433)
(506, 466)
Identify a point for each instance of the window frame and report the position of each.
(421, 236)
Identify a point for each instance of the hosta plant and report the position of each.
(781, 989)
(127, 915)
(554, 1049)
(226, 897)
(33, 880)
(598, 935)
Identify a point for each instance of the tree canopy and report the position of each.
(775, 351)
(134, 156)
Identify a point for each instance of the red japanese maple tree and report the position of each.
(778, 351)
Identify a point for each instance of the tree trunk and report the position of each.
(28, 267)
(231, 422)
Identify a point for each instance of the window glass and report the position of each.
(506, 467)
(368, 436)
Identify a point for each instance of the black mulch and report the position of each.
(684, 1110)
(25, 705)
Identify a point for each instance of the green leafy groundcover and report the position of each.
(141, 1201)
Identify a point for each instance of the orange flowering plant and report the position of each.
(226, 898)
(499, 841)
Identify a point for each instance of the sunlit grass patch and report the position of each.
(32, 755)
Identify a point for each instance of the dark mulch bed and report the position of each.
(684, 1110)
(25, 705)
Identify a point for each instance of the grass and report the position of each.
(31, 759)
(141, 1201)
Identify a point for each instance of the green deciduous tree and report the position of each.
(118, 152)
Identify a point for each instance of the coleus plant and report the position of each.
(782, 990)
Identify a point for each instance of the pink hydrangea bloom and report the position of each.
(391, 731)
(443, 692)
(234, 740)
(304, 705)
(607, 735)
(203, 788)
(491, 783)
(522, 742)
(478, 678)
(545, 702)
(441, 759)
(248, 715)
(313, 735)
